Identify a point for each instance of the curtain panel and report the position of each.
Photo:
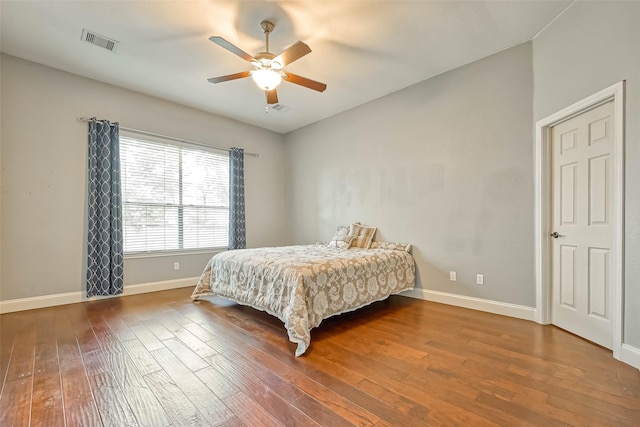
(105, 255)
(237, 231)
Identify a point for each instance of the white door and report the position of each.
(582, 282)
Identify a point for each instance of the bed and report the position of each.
(303, 285)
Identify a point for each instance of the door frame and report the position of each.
(543, 205)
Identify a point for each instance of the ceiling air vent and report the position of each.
(281, 108)
(98, 40)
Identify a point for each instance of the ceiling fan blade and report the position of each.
(229, 77)
(272, 96)
(303, 81)
(292, 53)
(232, 48)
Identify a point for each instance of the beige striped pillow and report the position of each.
(363, 235)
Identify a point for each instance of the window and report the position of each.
(174, 197)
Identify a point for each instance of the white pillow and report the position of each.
(342, 238)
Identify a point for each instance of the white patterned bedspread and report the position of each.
(302, 285)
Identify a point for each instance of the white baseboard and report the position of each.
(143, 288)
(495, 307)
(43, 301)
(630, 355)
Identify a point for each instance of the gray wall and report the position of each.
(590, 47)
(445, 164)
(1, 127)
(44, 174)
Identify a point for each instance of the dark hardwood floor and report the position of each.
(160, 360)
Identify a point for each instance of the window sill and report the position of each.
(211, 251)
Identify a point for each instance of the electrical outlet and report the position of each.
(453, 276)
(479, 279)
(176, 266)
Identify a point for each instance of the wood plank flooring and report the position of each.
(161, 360)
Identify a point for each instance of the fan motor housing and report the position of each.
(265, 55)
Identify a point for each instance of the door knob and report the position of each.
(555, 235)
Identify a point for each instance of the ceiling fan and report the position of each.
(268, 69)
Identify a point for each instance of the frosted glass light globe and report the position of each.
(266, 79)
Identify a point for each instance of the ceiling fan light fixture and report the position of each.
(266, 79)
(268, 70)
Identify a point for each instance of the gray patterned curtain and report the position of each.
(237, 232)
(105, 262)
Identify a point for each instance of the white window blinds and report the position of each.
(174, 197)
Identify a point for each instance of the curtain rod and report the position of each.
(142, 132)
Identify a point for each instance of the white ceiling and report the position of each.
(362, 49)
